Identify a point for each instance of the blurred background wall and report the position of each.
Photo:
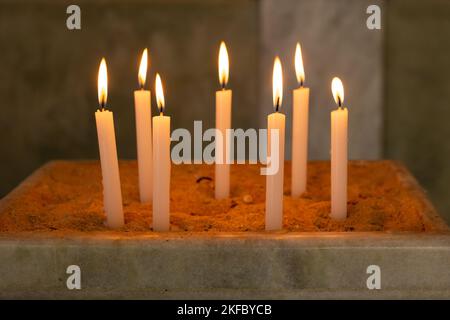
(417, 106)
(396, 79)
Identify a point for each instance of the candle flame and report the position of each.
(159, 93)
(142, 75)
(223, 65)
(277, 84)
(299, 70)
(337, 88)
(102, 83)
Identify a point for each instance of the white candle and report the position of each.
(142, 108)
(300, 111)
(274, 183)
(339, 125)
(112, 194)
(161, 164)
(223, 122)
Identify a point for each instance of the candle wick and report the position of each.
(301, 83)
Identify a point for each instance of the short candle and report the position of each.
(112, 194)
(300, 111)
(339, 161)
(274, 183)
(223, 123)
(142, 109)
(161, 163)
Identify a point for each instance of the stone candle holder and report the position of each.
(218, 248)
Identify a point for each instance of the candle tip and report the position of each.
(159, 93)
(299, 69)
(277, 84)
(142, 74)
(337, 88)
(102, 84)
(223, 65)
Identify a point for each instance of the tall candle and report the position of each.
(274, 183)
(142, 108)
(339, 127)
(112, 194)
(223, 122)
(161, 163)
(300, 112)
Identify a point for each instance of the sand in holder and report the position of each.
(218, 248)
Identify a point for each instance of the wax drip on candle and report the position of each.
(142, 75)
(337, 88)
(299, 70)
(159, 95)
(102, 84)
(277, 84)
(223, 65)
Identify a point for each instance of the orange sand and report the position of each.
(67, 196)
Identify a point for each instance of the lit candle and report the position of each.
(339, 123)
(161, 163)
(223, 122)
(300, 112)
(112, 195)
(142, 108)
(274, 183)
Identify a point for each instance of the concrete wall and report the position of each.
(417, 109)
(48, 73)
(335, 42)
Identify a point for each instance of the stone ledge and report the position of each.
(215, 265)
(260, 266)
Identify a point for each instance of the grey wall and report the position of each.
(48, 73)
(335, 42)
(417, 109)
